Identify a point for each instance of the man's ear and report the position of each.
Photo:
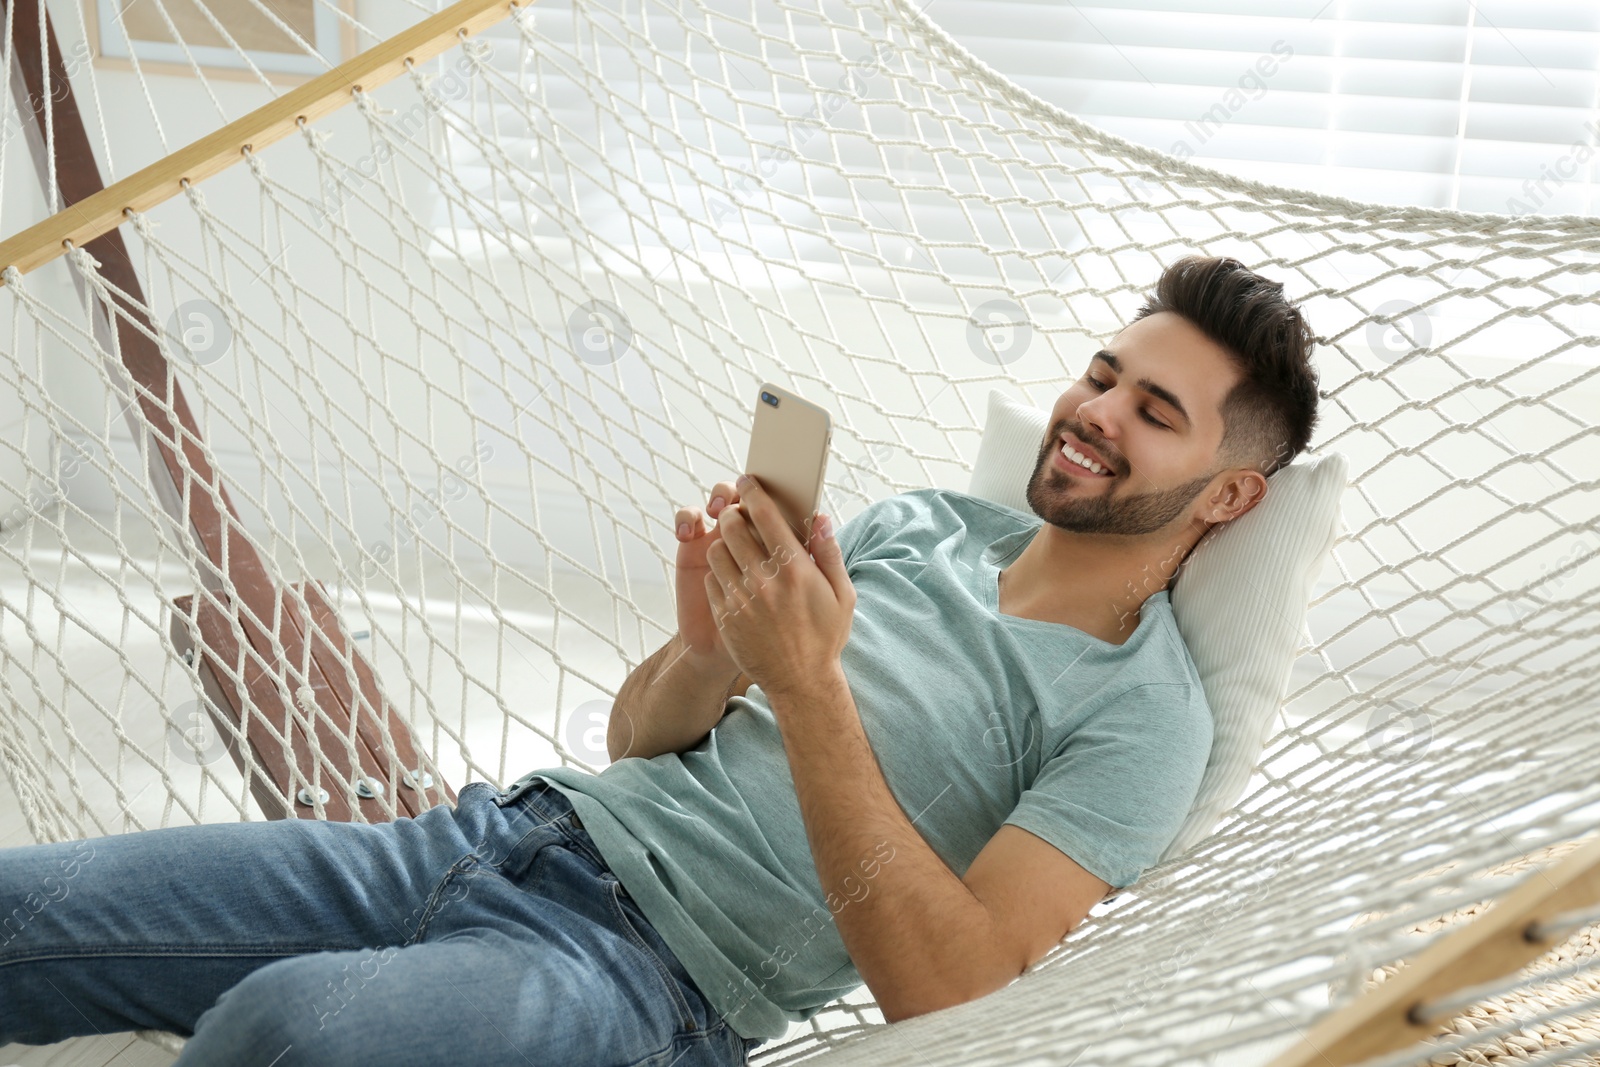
(1235, 492)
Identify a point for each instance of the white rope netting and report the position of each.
(459, 351)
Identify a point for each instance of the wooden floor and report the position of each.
(121, 1050)
(117, 1050)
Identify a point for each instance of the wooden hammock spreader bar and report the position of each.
(83, 221)
(240, 689)
(1411, 1006)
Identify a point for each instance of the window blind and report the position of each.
(1479, 105)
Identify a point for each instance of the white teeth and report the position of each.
(1081, 460)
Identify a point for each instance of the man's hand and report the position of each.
(696, 623)
(784, 614)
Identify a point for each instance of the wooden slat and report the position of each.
(374, 713)
(102, 212)
(1491, 946)
(240, 694)
(244, 699)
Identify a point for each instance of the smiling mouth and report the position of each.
(1073, 458)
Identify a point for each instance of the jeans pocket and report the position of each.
(621, 905)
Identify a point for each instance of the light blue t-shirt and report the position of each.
(977, 718)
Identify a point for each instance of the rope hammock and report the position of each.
(455, 353)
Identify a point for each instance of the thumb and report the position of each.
(826, 551)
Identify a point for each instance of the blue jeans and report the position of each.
(491, 933)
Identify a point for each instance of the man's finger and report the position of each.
(722, 494)
(768, 520)
(689, 524)
(829, 556)
(739, 534)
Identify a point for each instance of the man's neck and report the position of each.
(1095, 582)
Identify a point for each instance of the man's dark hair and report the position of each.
(1269, 415)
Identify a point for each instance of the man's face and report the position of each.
(1148, 410)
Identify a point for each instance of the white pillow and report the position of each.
(1239, 597)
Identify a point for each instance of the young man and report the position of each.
(940, 738)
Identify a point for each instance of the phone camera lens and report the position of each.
(770, 399)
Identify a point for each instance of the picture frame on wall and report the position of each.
(265, 29)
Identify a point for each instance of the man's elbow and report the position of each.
(910, 1004)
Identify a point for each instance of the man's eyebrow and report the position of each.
(1160, 392)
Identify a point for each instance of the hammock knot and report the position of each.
(306, 698)
(368, 104)
(524, 18)
(315, 137)
(83, 260)
(253, 161)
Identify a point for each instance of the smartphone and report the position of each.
(789, 454)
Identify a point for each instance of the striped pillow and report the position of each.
(1239, 598)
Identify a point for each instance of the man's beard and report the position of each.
(1139, 513)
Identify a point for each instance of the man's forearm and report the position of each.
(917, 935)
(668, 703)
